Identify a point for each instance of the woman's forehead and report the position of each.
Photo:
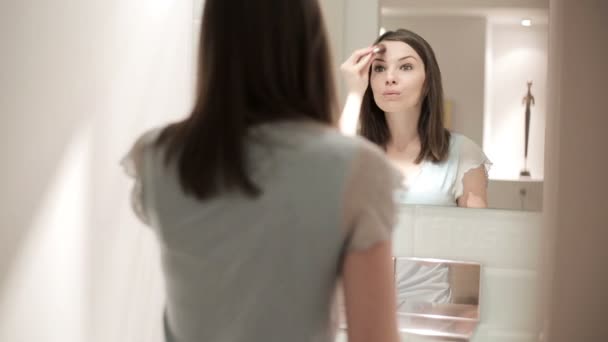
(395, 50)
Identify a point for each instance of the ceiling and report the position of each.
(496, 11)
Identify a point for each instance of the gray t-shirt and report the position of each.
(265, 269)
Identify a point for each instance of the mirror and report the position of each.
(493, 61)
(437, 299)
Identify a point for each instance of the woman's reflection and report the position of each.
(395, 95)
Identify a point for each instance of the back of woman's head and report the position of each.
(259, 61)
(434, 138)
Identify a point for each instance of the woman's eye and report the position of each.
(378, 68)
(407, 67)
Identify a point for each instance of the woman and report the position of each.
(259, 203)
(397, 96)
(395, 93)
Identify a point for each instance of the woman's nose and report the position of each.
(390, 78)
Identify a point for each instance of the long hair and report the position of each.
(259, 61)
(434, 138)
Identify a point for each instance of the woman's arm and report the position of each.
(350, 114)
(356, 76)
(370, 213)
(474, 194)
(370, 295)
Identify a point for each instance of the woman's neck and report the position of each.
(403, 127)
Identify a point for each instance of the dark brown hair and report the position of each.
(434, 138)
(259, 61)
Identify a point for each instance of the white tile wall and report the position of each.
(504, 242)
(508, 299)
(403, 235)
(495, 238)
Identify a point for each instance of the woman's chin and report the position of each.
(391, 107)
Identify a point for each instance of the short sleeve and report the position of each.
(370, 210)
(470, 156)
(133, 165)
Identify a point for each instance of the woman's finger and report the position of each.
(358, 54)
(364, 62)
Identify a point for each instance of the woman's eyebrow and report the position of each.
(400, 59)
(406, 57)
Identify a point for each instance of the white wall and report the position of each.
(80, 80)
(152, 85)
(516, 54)
(506, 243)
(459, 43)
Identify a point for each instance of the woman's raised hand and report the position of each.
(356, 70)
